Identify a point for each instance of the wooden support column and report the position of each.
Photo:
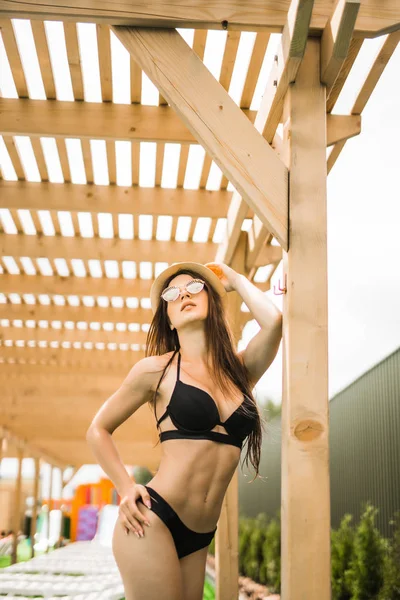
(227, 536)
(305, 508)
(35, 503)
(17, 505)
(49, 505)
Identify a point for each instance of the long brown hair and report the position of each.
(220, 344)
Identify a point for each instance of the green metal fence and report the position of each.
(364, 451)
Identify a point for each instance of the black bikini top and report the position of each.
(195, 413)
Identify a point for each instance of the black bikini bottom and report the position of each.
(186, 540)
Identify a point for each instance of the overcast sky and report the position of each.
(363, 245)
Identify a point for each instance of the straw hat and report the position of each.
(207, 274)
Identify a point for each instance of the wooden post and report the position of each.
(49, 507)
(17, 505)
(305, 506)
(35, 503)
(227, 536)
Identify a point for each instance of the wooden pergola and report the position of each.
(70, 327)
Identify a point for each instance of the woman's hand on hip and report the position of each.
(129, 514)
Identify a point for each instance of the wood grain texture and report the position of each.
(214, 119)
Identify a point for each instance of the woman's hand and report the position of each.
(227, 275)
(129, 514)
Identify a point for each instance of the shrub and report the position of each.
(253, 554)
(270, 571)
(365, 575)
(342, 542)
(391, 571)
(245, 529)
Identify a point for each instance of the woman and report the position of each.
(200, 391)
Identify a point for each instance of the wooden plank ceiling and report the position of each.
(101, 192)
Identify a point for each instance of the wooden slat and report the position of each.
(183, 159)
(252, 15)
(74, 59)
(289, 55)
(388, 47)
(104, 47)
(199, 42)
(229, 58)
(46, 70)
(253, 72)
(39, 156)
(160, 149)
(380, 62)
(205, 171)
(334, 154)
(284, 70)
(228, 63)
(87, 160)
(14, 156)
(111, 160)
(332, 93)
(62, 153)
(135, 162)
(136, 82)
(336, 39)
(10, 44)
(219, 124)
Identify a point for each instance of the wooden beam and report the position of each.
(115, 199)
(78, 286)
(104, 249)
(266, 255)
(336, 39)
(388, 46)
(35, 504)
(79, 357)
(31, 449)
(286, 64)
(17, 506)
(85, 122)
(234, 14)
(226, 539)
(77, 452)
(333, 92)
(41, 374)
(98, 314)
(342, 127)
(305, 425)
(54, 284)
(94, 120)
(215, 120)
(39, 334)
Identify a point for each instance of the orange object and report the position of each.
(216, 269)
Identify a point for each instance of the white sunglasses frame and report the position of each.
(179, 287)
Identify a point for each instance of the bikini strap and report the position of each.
(178, 366)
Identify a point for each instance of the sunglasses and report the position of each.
(194, 286)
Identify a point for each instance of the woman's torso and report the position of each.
(194, 474)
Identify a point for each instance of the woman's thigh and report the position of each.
(149, 566)
(193, 568)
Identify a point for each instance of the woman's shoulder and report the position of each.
(157, 362)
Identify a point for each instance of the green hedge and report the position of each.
(365, 566)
